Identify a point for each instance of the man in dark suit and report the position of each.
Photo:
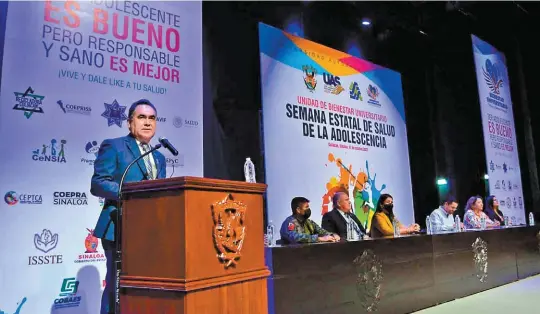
(342, 221)
(113, 158)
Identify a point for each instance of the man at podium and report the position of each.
(113, 158)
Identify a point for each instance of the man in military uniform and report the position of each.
(298, 228)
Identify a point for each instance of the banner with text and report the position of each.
(332, 122)
(499, 132)
(71, 69)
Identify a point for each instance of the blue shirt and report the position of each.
(441, 220)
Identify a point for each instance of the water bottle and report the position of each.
(249, 170)
(483, 223)
(396, 228)
(457, 228)
(531, 219)
(428, 226)
(270, 234)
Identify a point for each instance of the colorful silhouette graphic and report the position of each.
(361, 189)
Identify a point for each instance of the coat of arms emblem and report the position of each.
(309, 77)
(229, 230)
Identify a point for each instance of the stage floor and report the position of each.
(518, 297)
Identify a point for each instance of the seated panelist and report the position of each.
(474, 213)
(442, 218)
(381, 224)
(493, 211)
(298, 228)
(341, 220)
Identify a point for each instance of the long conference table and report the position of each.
(398, 275)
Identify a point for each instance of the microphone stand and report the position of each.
(118, 226)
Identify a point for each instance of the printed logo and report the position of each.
(508, 203)
(491, 166)
(515, 186)
(28, 103)
(51, 153)
(91, 254)
(498, 185)
(332, 84)
(310, 79)
(161, 119)
(505, 168)
(114, 113)
(70, 198)
(12, 198)
(45, 243)
(175, 161)
(492, 76)
(515, 202)
(502, 203)
(493, 79)
(504, 185)
(520, 201)
(354, 91)
(179, 122)
(68, 294)
(373, 94)
(92, 148)
(509, 185)
(18, 309)
(68, 108)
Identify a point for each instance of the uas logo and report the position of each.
(68, 294)
(373, 93)
(309, 77)
(332, 84)
(492, 76)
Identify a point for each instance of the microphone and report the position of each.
(165, 142)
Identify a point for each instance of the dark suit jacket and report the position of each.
(334, 222)
(113, 158)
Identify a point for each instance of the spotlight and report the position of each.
(442, 181)
(366, 22)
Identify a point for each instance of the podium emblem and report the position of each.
(480, 258)
(229, 230)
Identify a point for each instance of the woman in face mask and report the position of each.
(381, 224)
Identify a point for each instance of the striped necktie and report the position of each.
(147, 162)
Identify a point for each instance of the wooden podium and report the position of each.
(193, 245)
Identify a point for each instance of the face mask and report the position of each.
(389, 207)
(307, 214)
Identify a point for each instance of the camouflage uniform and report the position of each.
(292, 231)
